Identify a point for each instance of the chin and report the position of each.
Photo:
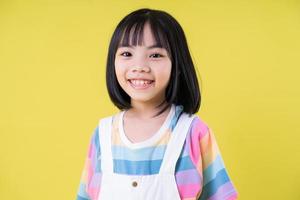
(142, 98)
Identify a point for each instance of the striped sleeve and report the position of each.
(216, 183)
(91, 175)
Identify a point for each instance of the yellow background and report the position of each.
(52, 67)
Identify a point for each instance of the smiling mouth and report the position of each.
(141, 84)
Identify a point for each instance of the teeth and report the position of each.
(140, 82)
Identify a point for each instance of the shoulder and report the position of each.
(195, 139)
(102, 121)
(109, 118)
(95, 139)
(106, 118)
(198, 128)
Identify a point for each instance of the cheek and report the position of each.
(119, 73)
(118, 66)
(121, 66)
(163, 74)
(166, 70)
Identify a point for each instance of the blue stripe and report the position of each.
(137, 167)
(96, 138)
(211, 187)
(98, 168)
(178, 110)
(81, 194)
(148, 153)
(81, 198)
(184, 163)
(96, 144)
(210, 172)
(146, 167)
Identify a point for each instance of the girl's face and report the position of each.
(143, 71)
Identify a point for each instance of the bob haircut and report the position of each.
(183, 88)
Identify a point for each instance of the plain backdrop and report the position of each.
(53, 92)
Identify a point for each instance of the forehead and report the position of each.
(143, 34)
(147, 36)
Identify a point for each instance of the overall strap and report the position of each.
(105, 144)
(175, 145)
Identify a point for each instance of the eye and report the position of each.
(156, 55)
(125, 54)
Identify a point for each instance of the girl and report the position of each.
(155, 148)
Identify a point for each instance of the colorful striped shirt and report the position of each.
(200, 171)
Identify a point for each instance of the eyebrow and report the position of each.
(148, 47)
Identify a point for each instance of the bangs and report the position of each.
(132, 35)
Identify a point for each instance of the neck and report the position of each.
(146, 111)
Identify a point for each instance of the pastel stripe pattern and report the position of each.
(200, 170)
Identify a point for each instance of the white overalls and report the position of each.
(161, 186)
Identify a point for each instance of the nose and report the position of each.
(140, 65)
(141, 68)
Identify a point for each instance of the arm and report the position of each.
(91, 175)
(216, 183)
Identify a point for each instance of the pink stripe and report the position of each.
(198, 131)
(89, 171)
(225, 192)
(94, 186)
(187, 191)
(200, 127)
(189, 198)
(233, 197)
(96, 180)
(93, 193)
(190, 176)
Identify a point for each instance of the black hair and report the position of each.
(183, 88)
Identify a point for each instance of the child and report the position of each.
(155, 148)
